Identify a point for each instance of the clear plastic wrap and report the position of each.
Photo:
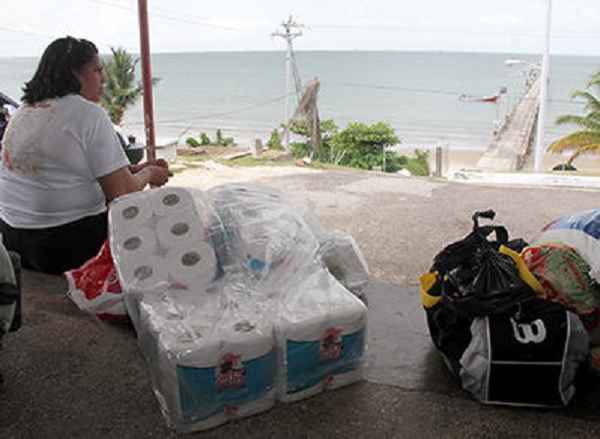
(268, 238)
(344, 259)
(233, 306)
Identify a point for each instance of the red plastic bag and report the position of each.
(95, 287)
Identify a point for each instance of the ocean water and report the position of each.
(244, 93)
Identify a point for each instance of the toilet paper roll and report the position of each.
(192, 265)
(130, 212)
(166, 201)
(173, 231)
(249, 337)
(146, 273)
(135, 243)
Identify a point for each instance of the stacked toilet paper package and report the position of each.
(233, 305)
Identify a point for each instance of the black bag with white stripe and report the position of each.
(529, 357)
(504, 344)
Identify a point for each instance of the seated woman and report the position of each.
(62, 163)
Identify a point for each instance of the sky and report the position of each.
(505, 26)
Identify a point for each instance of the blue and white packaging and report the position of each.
(323, 331)
(206, 373)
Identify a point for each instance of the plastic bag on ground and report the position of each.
(345, 261)
(95, 287)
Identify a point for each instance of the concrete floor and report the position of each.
(69, 375)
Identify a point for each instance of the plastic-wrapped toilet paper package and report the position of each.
(580, 230)
(231, 302)
(169, 308)
(163, 238)
(207, 372)
(344, 259)
(267, 236)
(323, 332)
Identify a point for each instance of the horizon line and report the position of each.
(440, 51)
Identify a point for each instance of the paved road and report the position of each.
(68, 375)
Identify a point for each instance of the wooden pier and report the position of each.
(514, 139)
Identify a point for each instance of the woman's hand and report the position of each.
(134, 169)
(126, 180)
(159, 175)
(162, 163)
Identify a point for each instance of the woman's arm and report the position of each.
(138, 167)
(123, 181)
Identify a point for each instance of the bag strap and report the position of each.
(501, 234)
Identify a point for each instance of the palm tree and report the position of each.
(587, 140)
(121, 89)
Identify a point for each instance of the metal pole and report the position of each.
(146, 80)
(539, 145)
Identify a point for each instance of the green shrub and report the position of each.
(204, 140)
(358, 146)
(420, 164)
(191, 142)
(274, 141)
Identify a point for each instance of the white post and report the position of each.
(288, 61)
(539, 144)
(288, 57)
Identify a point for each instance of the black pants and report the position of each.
(57, 249)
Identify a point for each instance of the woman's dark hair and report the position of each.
(54, 76)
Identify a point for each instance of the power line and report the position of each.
(448, 30)
(168, 15)
(225, 113)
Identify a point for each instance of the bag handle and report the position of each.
(460, 252)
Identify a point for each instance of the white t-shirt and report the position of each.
(52, 155)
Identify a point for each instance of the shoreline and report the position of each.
(454, 160)
(211, 173)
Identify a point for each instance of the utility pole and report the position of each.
(539, 145)
(291, 30)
